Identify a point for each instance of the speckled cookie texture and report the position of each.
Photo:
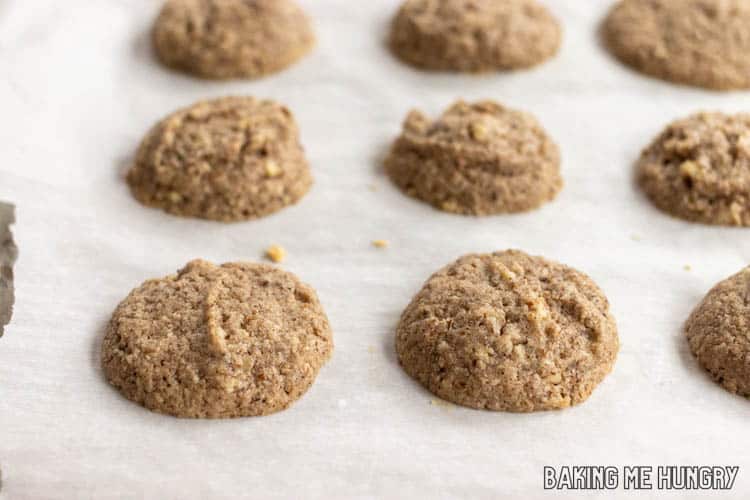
(507, 331)
(227, 159)
(217, 341)
(718, 332)
(223, 39)
(474, 35)
(476, 159)
(699, 169)
(703, 43)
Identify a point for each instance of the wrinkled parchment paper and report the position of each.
(79, 88)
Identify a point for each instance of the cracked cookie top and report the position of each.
(718, 332)
(703, 43)
(224, 39)
(217, 341)
(474, 35)
(698, 169)
(507, 331)
(227, 159)
(477, 158)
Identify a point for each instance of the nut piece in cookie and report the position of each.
(474, 35)
(508, 332)
(703, 43)
(718, 333)
(698, 169)
(224, 39)
(476, 159)
(217, 341)
(228, 159)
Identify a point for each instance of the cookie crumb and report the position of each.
(276, 253)
(688, 267)
(380, 243)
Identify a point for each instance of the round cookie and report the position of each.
(476, 159)
(698, 169)
(718, 332)
(228, 159)
(224, 39)
(474, 35)
(217, 341)
(703, 43)
(509, 332)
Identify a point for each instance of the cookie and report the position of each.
(508, 332)
(228, 159)
(719, 335)
(223, 39)
(217, 341)
(474, 35)
(476, 159)
(698, 169)
(704, 43)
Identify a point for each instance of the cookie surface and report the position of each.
(474, 35)
(699, 169)
(217, 341)
(718, 332)
(703, 43)
(476, 159)
(507, 331)
(225, 39)
(228, 159)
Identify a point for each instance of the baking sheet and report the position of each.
(78, 89)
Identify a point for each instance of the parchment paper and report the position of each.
(78, 89)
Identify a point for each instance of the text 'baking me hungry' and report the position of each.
(663, 477)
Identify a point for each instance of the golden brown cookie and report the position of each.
(217, 341)
(718, 332)
(224, 39)
(474, 35)
(703, 43)
(476, 159)
(698, 169)
(228, 159)
(510, 332)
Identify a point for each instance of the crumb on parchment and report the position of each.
(276, 253)
(380, 243)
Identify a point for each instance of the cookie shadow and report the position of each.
(122, 165)
(95, 356)
(378, 157)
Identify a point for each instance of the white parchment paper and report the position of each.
(78, 89)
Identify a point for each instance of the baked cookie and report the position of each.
(228, 159)
(510, 332)
(224, 39)
(474, 35)
(476, 159)
(704, 43)
(718, 332)
(699, 169)
(217, 341)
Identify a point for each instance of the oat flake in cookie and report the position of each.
(704, 43)
(217, 341)
(719, 333)
(476, 159)
(510, 332)
(228, 159)
(225, 39)
(699, 169)
(474, 35)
